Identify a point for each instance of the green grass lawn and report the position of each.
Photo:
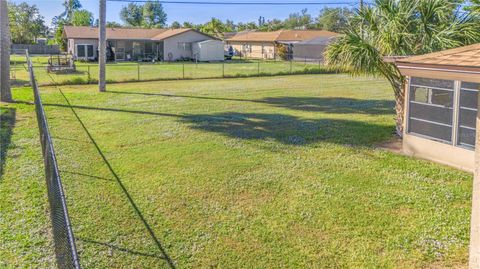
(271, 172)
(132, 71)
(25, 231)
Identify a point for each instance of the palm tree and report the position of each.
(400, 28)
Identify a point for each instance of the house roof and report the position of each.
(281, 35)
(87, 32)
(323, 40)
(467, 56)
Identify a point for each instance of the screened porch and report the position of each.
(137, 50)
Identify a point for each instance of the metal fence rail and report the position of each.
(65, 249)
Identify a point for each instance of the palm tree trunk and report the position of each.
(399, 112)
(5, 92)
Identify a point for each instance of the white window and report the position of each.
(85, 51)
(443, 110)
(186, 46)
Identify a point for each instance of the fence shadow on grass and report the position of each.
(338, 105)
(7, 123)
(289, 129)
(150, 231)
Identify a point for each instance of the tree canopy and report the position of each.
(82, 18)
(26, 23)
(149, 15)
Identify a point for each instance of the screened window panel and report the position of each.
(80, 50)
(468, 99)
(467, 114)
(432, 96)
(467, 118)
(90, 51)
(471, 85)
(431, 108)
(436, 83)
(431, 113)
(435, 131)
(466, 137)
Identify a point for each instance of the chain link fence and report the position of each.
(87, 73)
(65, 249)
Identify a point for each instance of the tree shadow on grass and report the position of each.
(7, 123)
(289, 129)
(338, 105)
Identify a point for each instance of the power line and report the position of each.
(238, 3)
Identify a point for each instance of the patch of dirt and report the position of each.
(393, 145)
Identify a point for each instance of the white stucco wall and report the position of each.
(171, 45)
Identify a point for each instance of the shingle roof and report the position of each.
(467, 56)
(88, 32)
(256, 36)
(281, 35)
(302, 35)
(323, 40)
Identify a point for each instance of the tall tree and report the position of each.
(82, 18)
(214, 27)
(153, 15)
(132, 15)
(301, 20)
(400, 27)
(149, 15)
(5, 92)
(175, 25)
(26, 23)
(333, 19)
(70, 7)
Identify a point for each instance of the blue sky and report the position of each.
(191, 13)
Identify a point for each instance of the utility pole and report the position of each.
(474, 257)
(5, 93)
(102, 45)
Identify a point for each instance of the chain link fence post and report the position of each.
(88, 73)
(138, 71)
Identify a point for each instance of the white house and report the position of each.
(134, 44)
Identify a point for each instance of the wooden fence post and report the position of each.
(138, 71)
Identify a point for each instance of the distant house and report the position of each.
(266, 45)
(313, 49)
(134, 44)
(441, 101)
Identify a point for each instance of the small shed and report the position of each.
(311, 50)
(208, 51)
(441, 100)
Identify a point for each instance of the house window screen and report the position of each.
(90, 51)
(467, 113)
(431, 108)
(80, 50)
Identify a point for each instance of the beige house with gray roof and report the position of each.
(265, 45)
